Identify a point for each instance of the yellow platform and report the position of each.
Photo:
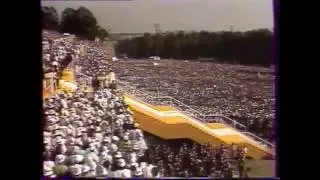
(66, 83)
(68, 75)
(216, 125)
(164, 108)
(175, 125)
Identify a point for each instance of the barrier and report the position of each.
(48, 86)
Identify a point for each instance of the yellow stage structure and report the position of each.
(168, 123)
(66, 83)
(49, 84)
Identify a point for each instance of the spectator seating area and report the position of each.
(242, 93)
(93, 134)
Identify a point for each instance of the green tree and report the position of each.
(147, 44)
(157, 44)
(80, 22)
(101, 32)
(251, 47)
(169, 45)
(50, 18)
(68, 21)
(204, 44)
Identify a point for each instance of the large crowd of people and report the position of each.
(90, 135)
(184, 158)
(242, 93)
(93, 134)
(58, 52)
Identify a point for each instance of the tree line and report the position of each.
(250, 47)
(80, 22)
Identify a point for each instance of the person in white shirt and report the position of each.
(85, 171)
(98, 134)
(48, 171)
(55, 65)
(101, 171)
(126, 173)
(64, 103)
(138, 173)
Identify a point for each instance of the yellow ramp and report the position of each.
(164, 108)
(216, 125)
(175, 125)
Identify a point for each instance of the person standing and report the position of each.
(111, 77)
(246, 171)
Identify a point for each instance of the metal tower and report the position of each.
(157, 28)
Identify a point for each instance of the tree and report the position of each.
(157, 40)
(50, 18)
(101, 32)
(251, 47)
(68, 21)
(169, 45)
(204, 44)
(80, 22)
(86, 23)
(147, 44)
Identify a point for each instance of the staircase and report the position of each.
(154, 99)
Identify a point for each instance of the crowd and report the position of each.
(95, 65)
(242, 93)
(182, 158)
(58, 52)
(96, 61)
(93, 134)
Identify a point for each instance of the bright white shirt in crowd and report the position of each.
(111, 77)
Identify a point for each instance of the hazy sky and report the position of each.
(139, 15)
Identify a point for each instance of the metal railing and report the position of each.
(83, 79)
(168, 100)
(260, 140)
(51, 87)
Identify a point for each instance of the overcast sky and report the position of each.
(138, 16)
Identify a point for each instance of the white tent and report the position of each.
(154, 57)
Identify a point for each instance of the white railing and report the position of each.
(260, 140)
(84, 79)
(168, 100)
(51, 87)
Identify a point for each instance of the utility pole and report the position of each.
(157, 28)
(158, 36)
(157, 53)
(231, 28)
(109, 30)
